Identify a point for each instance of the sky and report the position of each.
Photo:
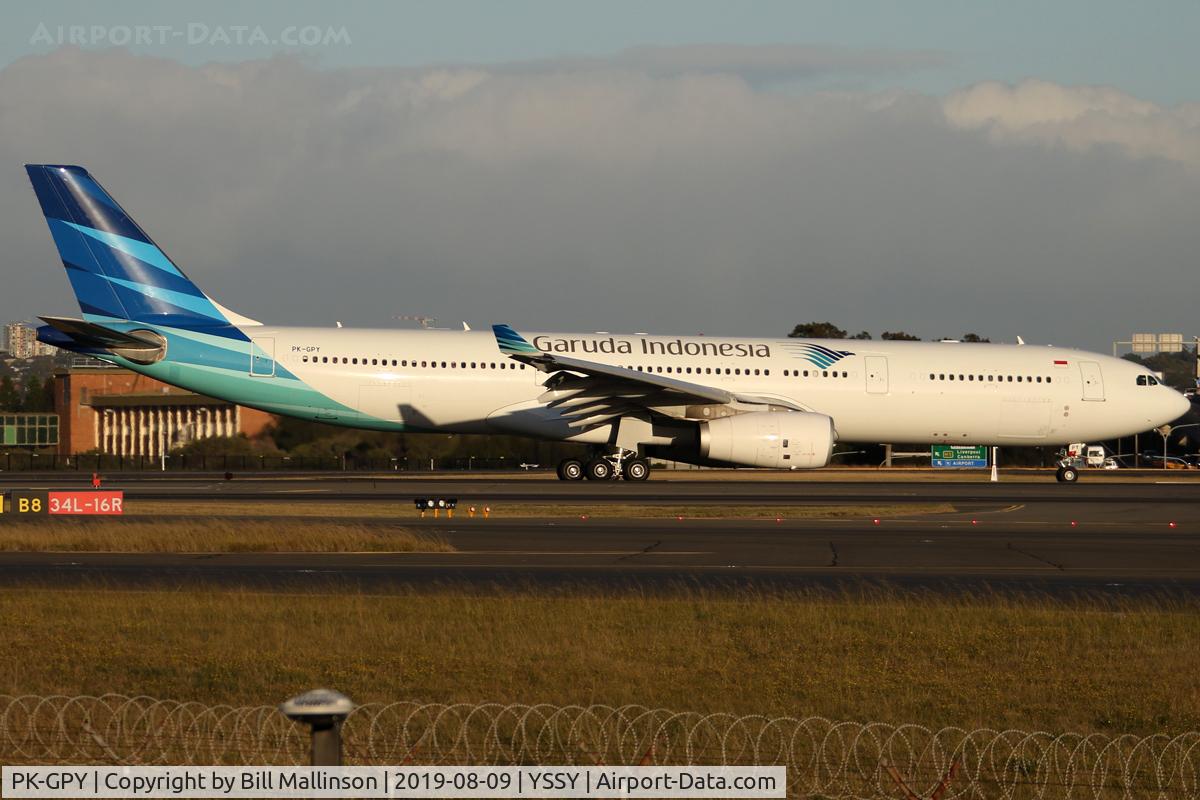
(1009, 169)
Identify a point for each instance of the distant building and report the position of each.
(20, 340)
(120, 412)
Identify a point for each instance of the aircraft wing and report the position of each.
(589, 393)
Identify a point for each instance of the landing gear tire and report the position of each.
(598, 469)
(637, 469)
(570, 469)
(1067, 475)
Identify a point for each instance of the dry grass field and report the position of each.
(984, 661)
(198, 534)
(231, 527)
(404, 510)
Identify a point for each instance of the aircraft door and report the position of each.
(1093, 382)
(262, 357)
(877, 374)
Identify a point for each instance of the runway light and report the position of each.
(974, 522)
(679, 518)
(583, 516)
(1074, 524)
(876, 520)
(1171, 524)
(779, 519)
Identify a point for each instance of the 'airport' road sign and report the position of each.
(957, 455)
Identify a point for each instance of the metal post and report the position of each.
(323, 710)
(995, 465)
(326, 743)
(887, 456)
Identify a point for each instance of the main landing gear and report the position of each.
(605, 467)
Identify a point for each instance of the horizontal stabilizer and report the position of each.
(93, 334)
(143, 347)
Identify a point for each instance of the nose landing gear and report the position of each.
(1067, 474)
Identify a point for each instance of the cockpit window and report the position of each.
(1147, 380)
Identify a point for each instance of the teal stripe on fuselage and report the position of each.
(209, 365)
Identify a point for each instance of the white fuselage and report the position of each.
(876, 391)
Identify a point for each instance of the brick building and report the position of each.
(119, 412)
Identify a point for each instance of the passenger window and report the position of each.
(951, 376)
(990, 377)
(755, 372)
(825, 373)
(1047, 380)
(766, 372)
(971, 378)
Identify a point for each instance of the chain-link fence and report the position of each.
(824, 758)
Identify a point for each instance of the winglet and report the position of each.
(512, 343)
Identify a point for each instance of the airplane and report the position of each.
(768, 403)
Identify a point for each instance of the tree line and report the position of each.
(827, 330)
(33, 395)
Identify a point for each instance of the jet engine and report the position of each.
(772, 439)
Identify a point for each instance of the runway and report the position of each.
(1154, 488)
(1112, 539)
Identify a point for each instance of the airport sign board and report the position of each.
(26, 502)
(89, 503)
(957, 455)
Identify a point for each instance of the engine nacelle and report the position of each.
(772, 439)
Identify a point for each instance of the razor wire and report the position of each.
(824, 758)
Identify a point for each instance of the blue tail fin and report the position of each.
(116, 270)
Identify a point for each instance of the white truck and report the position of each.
(1079, 455)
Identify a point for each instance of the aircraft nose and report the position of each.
(1175, 405)
(1180, 405)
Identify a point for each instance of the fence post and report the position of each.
(323, 711)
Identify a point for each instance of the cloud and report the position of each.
(618, 199)
(754, 63)
(1079, 118)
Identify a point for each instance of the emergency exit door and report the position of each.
(877, 374)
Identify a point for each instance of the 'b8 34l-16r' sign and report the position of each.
(954, 455)
(64, 503)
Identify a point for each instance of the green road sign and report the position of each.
(957, 455)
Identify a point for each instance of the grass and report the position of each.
(988, 661)
(371, 509)
(240, 527)
(213, 535)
